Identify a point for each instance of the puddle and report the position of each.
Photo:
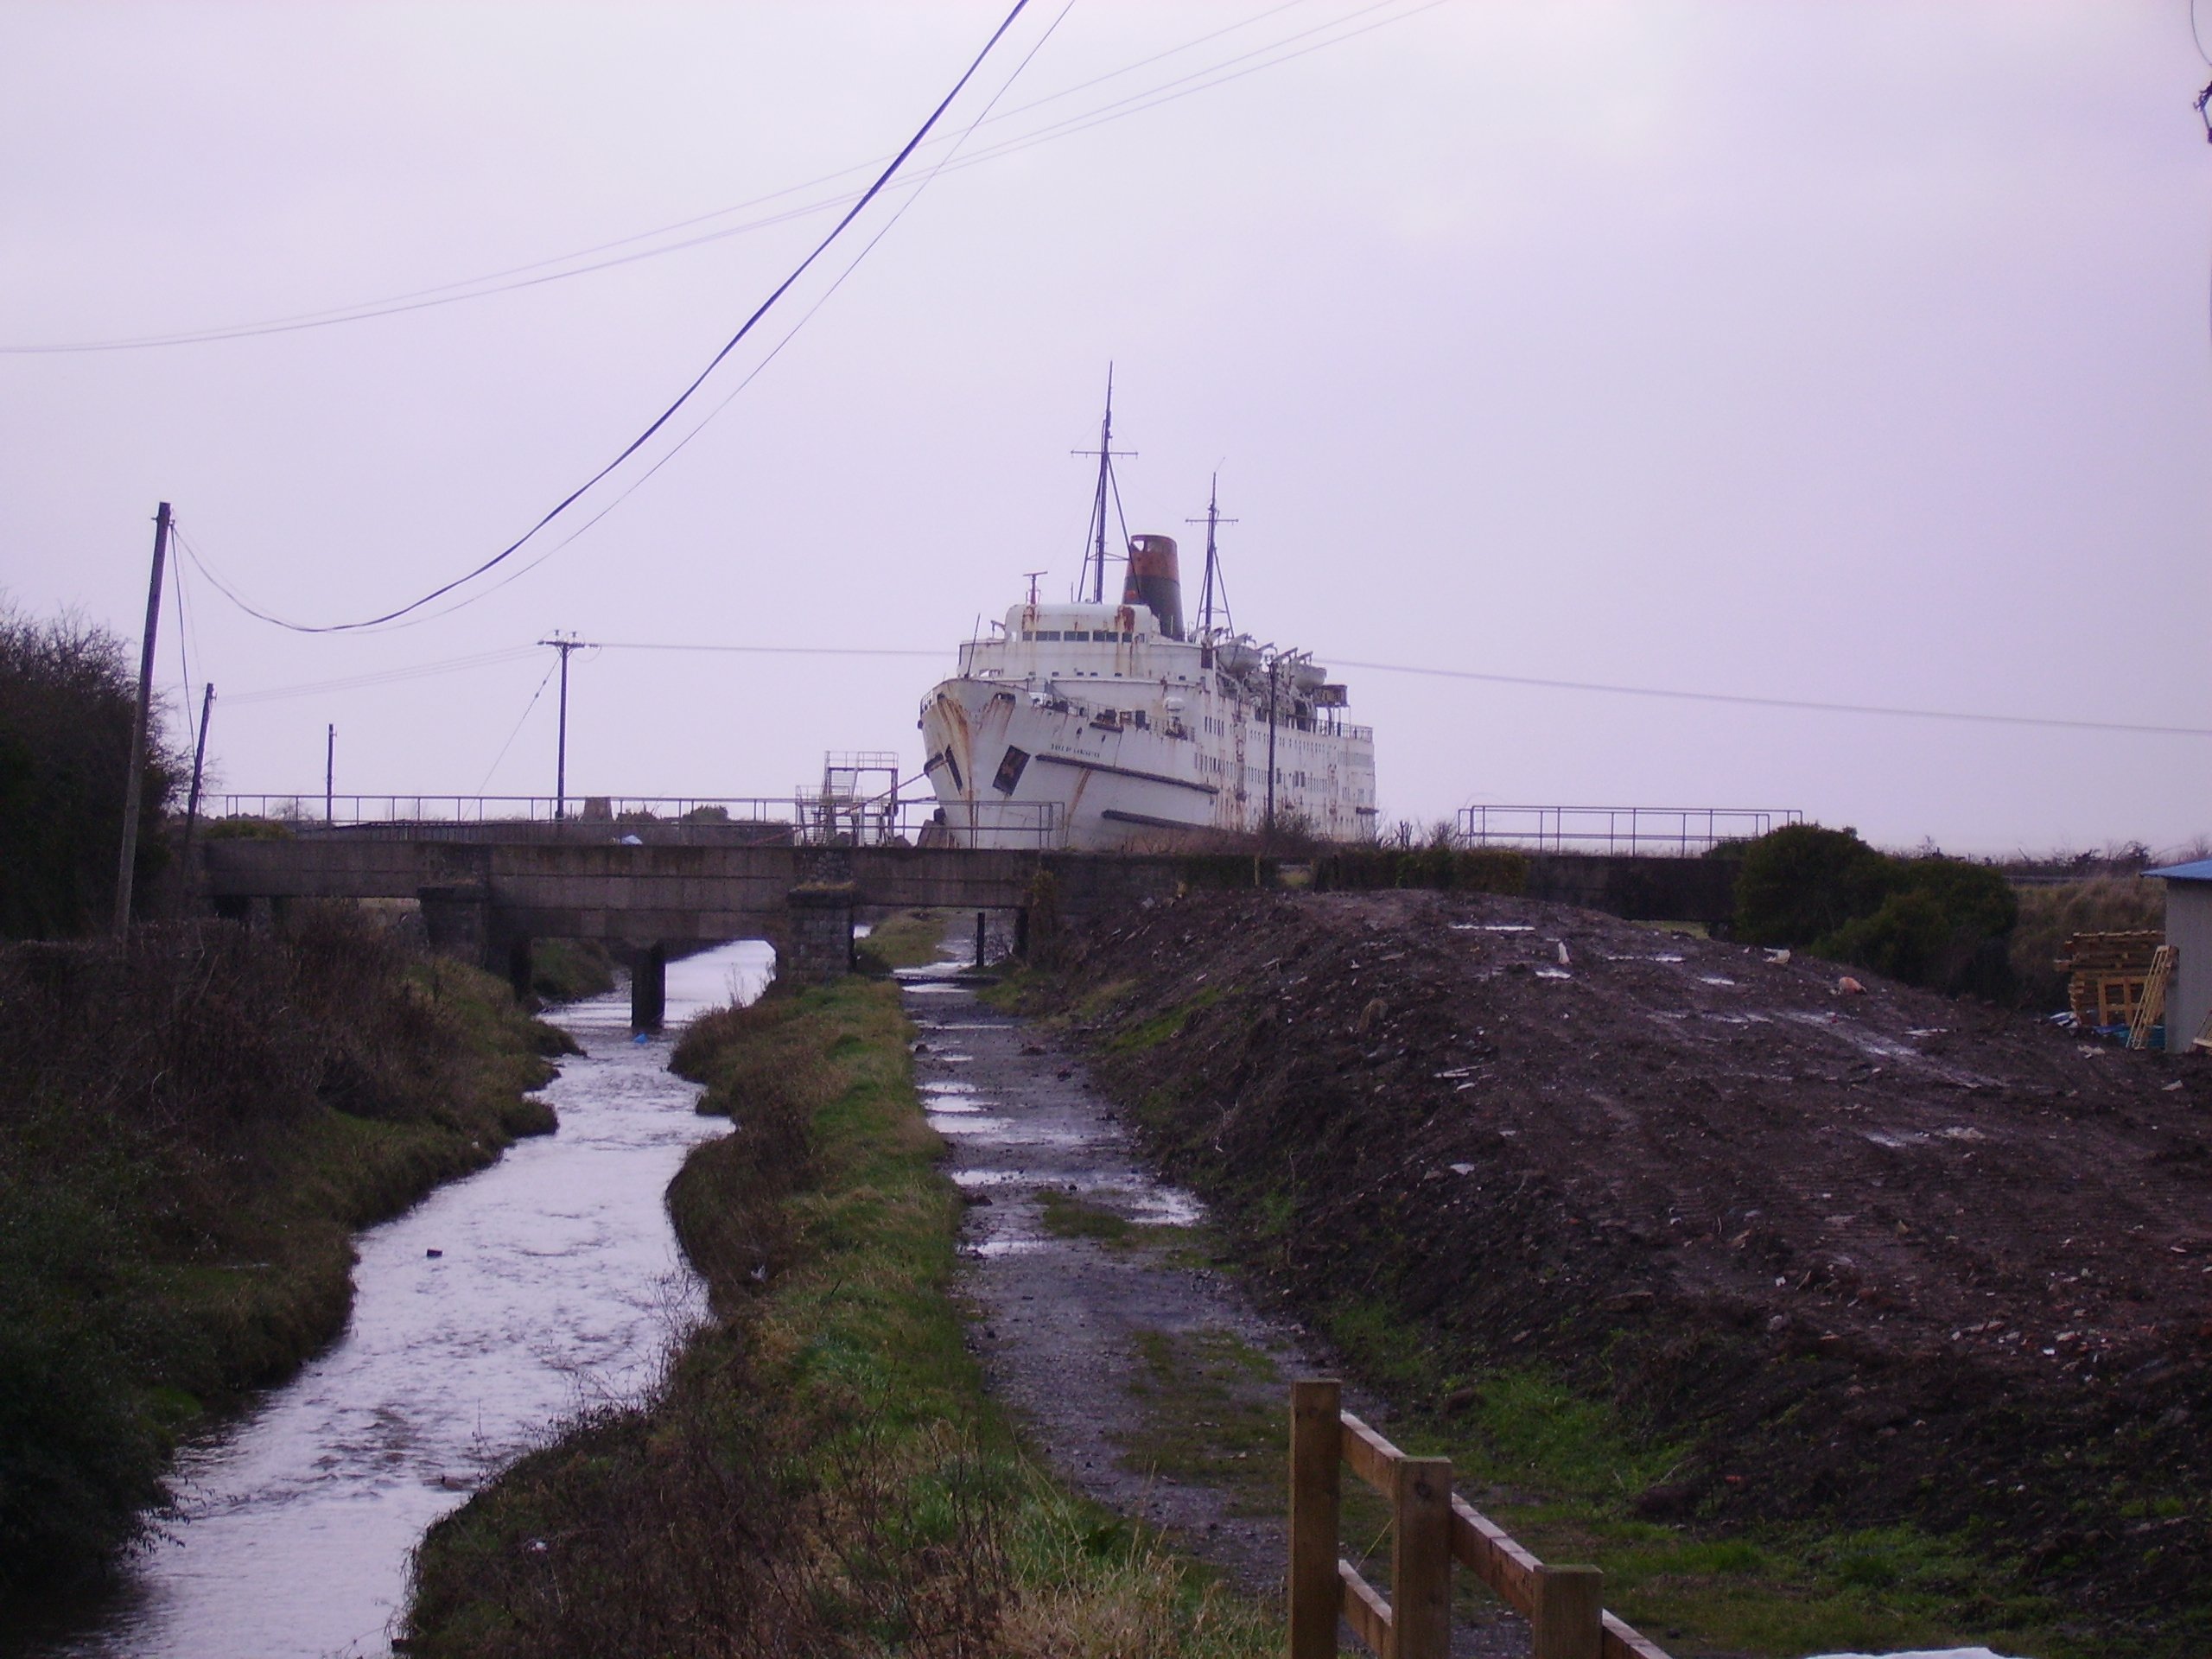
(1168, 1206)
(1003, 1247)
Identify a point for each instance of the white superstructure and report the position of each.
(1097, 726)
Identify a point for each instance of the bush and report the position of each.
(68, 700)
(1936, 922)
(191, 1122)
(2053, 914)
(1802, 882)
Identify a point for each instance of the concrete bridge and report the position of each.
(485, 898)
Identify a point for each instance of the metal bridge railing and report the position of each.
(1676, 831)
(804, 818)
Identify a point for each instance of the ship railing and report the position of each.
(1651, 831)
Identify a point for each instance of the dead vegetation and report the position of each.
(1852, 1262)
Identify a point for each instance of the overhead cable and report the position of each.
(382, 677)
(1799, 704)
(516, 733)
(499, 282)
(754, 373)
(682, 398)
(2046, 722)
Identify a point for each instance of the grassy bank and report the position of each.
(191, 1128)
(908, 938)
(820, 1472)
(565, 970)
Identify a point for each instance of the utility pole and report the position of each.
(564, 644)
(1213, 565)
(1106, 453)
(329, 773)
(199, 767)
(134, 783)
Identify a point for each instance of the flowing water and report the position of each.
(499, 1305)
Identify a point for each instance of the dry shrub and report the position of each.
(2052, 914)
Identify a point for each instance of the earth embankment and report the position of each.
(1869, 1258)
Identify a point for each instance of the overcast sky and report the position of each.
(1854, 353)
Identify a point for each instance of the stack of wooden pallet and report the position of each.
(2108, 973)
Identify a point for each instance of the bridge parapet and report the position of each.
(481, 897)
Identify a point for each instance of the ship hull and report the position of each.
(1013, 768)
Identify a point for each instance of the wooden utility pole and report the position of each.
(329, 773)
(564, 644)
(134, 783)
(199, 769)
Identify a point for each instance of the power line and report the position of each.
(754, 373)
(495, 282)
(183, 655)
(1671, 693)
(2045, 722)
(682, 398)
(382, 677)
(805, 317)
(516, 733)
(771, 650)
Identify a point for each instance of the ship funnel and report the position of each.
(1155, 580)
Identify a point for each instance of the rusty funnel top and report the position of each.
(1156, 580)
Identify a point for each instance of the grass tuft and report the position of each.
(820, 1473)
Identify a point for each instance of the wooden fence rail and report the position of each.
(1431, 1529)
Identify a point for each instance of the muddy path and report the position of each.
(1142, 1372)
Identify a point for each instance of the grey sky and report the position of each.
(1854, 352)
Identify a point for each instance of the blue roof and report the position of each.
(2200, 870)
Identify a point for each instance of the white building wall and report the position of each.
(2189, 930)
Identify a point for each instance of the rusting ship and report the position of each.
(1094, 726)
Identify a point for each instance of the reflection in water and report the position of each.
(558, 1286)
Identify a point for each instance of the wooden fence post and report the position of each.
(1316, 1445)
(1420, 1561)
(1569, 1618)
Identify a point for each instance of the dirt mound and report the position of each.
(1877, 1256)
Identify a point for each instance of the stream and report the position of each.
(502, 1303)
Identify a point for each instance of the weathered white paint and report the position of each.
(1086, 722)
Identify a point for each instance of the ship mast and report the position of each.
(1106, 453)
(1213, 563)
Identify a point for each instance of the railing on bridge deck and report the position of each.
(804, 818)
(1666, 832)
